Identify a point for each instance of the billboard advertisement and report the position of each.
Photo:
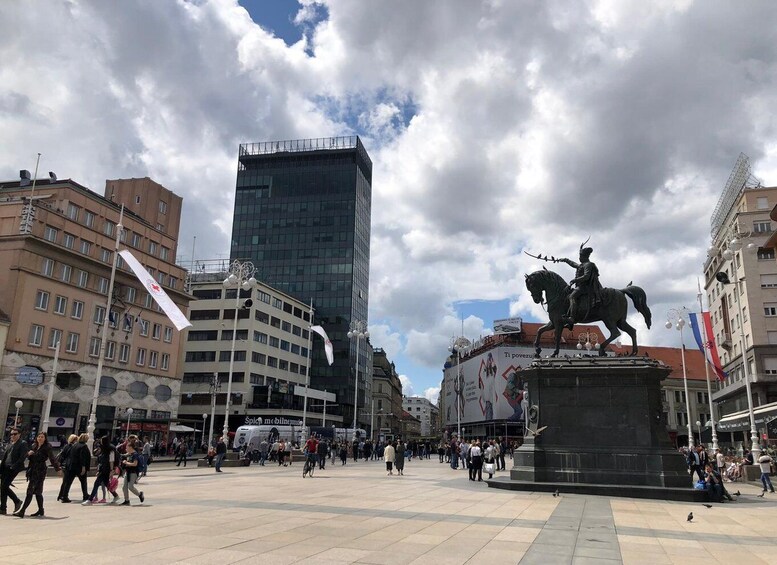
(490, 387)
(507, 326)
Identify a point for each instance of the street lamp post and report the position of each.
(722, 278)
(456, 347)
(698, 426)
(241, 276)
(679, 315)
(204, 419)
(18, 405)
(129, 418)
(359, 331)
(50, 392)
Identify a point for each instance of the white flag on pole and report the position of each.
(156, 291)
(330, 354)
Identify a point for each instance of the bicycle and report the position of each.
(309, 467)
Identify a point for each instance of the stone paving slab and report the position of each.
(357, 514)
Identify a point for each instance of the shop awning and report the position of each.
(180, 428)
(739, 421)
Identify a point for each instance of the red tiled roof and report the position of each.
(671, 357)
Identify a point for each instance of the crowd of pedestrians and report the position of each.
(125, 460)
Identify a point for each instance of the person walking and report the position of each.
(77, 466)
(146, 457)
(263, 447)
(64, 457)
(399, 458)
(221, 453)
(181, 454)
(489, 457)
(130, 464)
(10, 466)
(107, 463)
(36, 473)
(765, 462)
(388, 456)
(476, 462)
(344, 452)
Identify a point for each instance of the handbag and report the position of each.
(489, 468)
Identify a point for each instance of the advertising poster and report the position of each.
(490, 387)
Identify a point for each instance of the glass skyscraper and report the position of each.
(302, 216)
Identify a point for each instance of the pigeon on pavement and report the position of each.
(690, 517)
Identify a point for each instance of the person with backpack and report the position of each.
(107, 461)
(63, 458)
(131, 465)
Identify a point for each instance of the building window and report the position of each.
(105, 255)
(762, 227)
(77, 310)
(143, 327)
(99, 315)
(72, 212)
(107, 385)
(110, 350)
(138, 390)
(41, 300)
(60, 305)
(109, 228)
(136, 240)
(131, 294)
(277, 303)
(165, 253)
(770, 309)
(89, 219)
(762, 203)
(152, 359)
(86, 247)
(36, 335)
(140, 360)
(165, 361)
(68, 381)
(48, 268)
(274, 341)
(94, 347)
(168, 334)
(765, 254)
(69, 241)
(55, 336)
(263, 296)
(83, 278)
(156, 331)
(72, 343)
(124, 351)
(102, 285)
(162, 207)
(163, 393)
(50, 234)
(67, 273)
(148, 301)
(152, 248)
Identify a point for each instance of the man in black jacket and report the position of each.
(10, 466)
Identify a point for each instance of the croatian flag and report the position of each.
(709, 349)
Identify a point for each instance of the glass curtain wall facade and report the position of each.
(302, 216)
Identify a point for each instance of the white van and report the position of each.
(252, 436)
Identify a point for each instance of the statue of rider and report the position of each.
(586, 284)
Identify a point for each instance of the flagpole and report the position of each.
(707, 369)
(104, 336)
(307, 377)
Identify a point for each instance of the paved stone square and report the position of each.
(357, 514)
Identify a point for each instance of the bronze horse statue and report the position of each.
(611, 310)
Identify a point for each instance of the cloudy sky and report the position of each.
(494, 127)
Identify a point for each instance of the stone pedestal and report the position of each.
(605, 431)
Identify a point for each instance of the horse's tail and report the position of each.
(639, 298)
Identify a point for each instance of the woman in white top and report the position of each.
(388, 457)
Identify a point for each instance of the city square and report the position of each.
(357, 514)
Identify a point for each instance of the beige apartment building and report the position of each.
(744, 321)
(425, 412)
(386, 397)
(57, 246)
(272, 349)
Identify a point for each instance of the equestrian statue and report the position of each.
(584, 300)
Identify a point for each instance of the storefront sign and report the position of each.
(270, 421)
(60, 422)
(29, 376)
